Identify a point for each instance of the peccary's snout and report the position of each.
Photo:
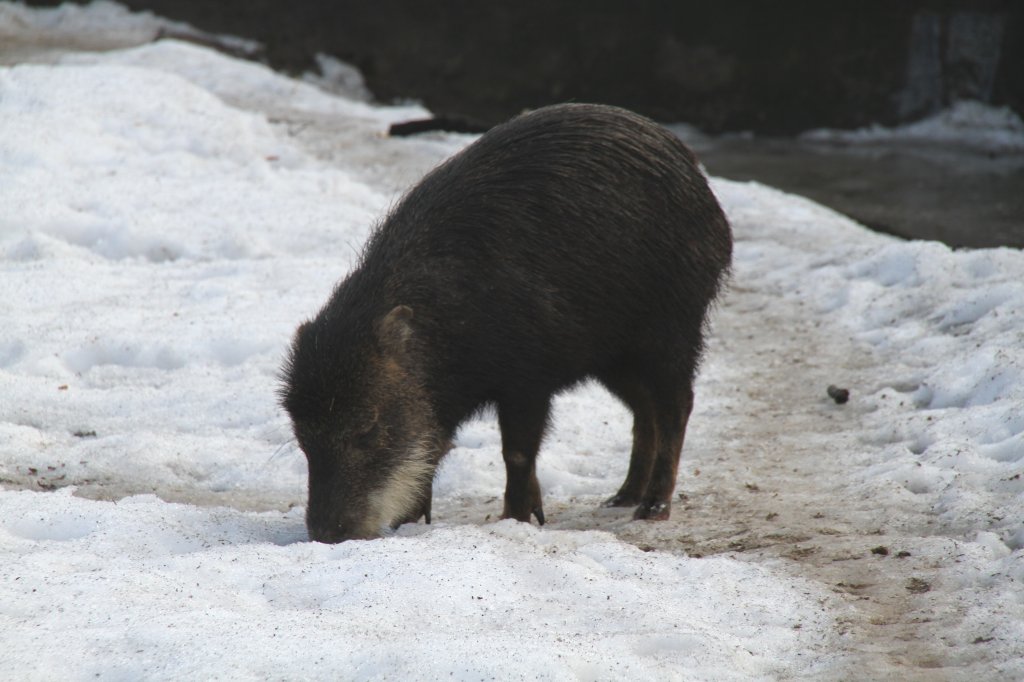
(323, 529)
(331, 536)
(335, 516)
(325, 535)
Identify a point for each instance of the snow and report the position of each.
(151, 579)
(949, 326)
(70, 22)
(967, 123)
(164, 227)
(42, 34)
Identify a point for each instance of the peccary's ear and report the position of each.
(395, 330)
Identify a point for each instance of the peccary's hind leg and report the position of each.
(641, 461)
(671, 417)
(522, 429)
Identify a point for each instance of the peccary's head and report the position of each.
(361, 415)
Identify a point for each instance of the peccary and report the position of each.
(577, 241)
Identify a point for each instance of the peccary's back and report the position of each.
(557, 242)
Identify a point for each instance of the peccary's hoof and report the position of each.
(538, 512)
(621, 499)
(653, 511)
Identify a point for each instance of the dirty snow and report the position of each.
(168, 215)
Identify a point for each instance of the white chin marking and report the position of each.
(396, 498)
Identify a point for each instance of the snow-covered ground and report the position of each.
(168, 215)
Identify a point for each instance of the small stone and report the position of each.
(840, 395)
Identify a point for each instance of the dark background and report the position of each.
(722, 65)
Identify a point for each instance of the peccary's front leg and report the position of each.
(522, 429)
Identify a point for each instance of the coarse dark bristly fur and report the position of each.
(577, 241)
